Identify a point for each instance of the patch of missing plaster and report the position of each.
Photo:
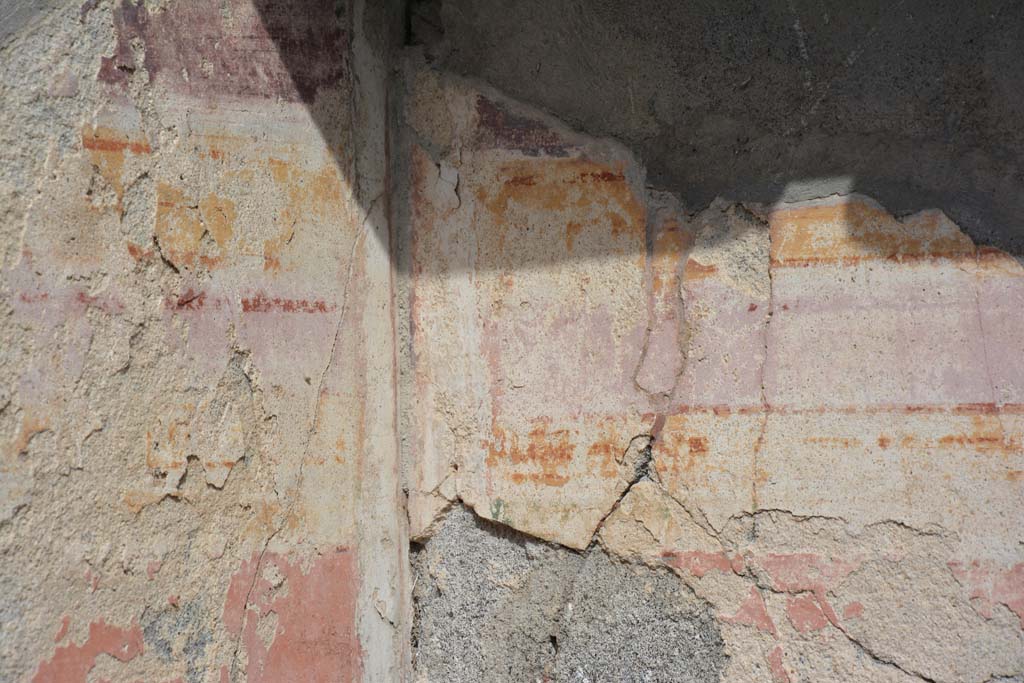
(493, 604)
(626, 623)
(735, 250)
(180, 635)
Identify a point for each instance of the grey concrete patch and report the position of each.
(495, 605)
(629, 623)
(487, 602)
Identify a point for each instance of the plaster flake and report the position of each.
(778, 666)
(805, 614)
(550, 328)
(753, 613)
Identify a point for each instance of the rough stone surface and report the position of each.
(511, 589)
(492, 604)
(629, 624)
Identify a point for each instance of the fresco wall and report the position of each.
(324, 362)
(808, 413)
(199, 460)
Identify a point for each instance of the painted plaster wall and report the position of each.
(807, 413)
(199, 459)
(277, 301)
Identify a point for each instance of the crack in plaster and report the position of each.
(315, 424)
(642, 471)
(163, 258)
(759, 444)
(880, 660)
(976, 290)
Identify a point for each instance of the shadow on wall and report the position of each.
(269, 51)
(918, 102)
(222, 56)
(316, 41)
(912, 103)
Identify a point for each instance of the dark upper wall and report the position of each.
(916, 103)
(16, 14)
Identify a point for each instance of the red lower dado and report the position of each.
(313, 612)
(73, 662)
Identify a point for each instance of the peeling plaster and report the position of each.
(737, 441)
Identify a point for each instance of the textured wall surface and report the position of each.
(328, 360)
(809, 413)
(198, 466)
(914, 102)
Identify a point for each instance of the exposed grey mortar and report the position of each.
(487, 602)
(492, 604)
(626, 623)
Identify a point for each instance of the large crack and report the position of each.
(641, 472)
